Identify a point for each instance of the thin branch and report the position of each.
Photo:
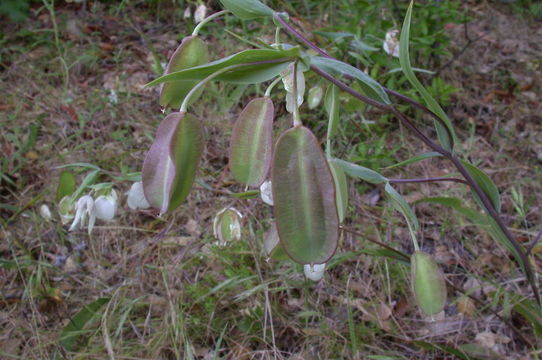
(534, 242)
(387, 247)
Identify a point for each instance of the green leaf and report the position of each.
(401, 205)
(170, 166)
(192, 52)
(248, 9)
(530, 311)
(341, 189)
(251, 194)
(486, 184)
(331, 104)
(304, 197)
(66, 185)
(73, 331)
(87, 181)
(278, 60)
(428, 283)
(251, 146)
(414, 159)
(335, 67)
(360, 172)
(445, 128)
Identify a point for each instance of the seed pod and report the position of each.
(252, 141)
(341, 189)
(227, 225)
(192, 52)
(315, 96)
(428, 283)
(304, 197)
(171, 163)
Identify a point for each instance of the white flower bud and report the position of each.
(45, 212)
(136, 197)
(266, 192)
(187, 13)
(391, 44)
(288, 81)
(200, 13)
(314, 272)
(106, 206)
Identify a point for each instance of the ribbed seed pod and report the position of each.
(251, 147)
(170, 166)
(428, 283)
(192, 52)
(304, 197)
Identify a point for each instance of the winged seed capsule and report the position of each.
(227, 225)
(428, 283)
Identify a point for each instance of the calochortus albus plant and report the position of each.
(308, 185)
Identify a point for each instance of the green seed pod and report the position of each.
(227, 225)
(170, 166)
(315, 96)
(252, 142)
(304, 197)
(428, 283)
(192, 52)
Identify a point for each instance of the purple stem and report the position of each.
(426, 180)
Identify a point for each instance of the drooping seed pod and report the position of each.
(170, 166)
(192, 52)
(428, 283)
(304, 197)
(252, 142)
(341, 189)
(227, 225)
(316, 93)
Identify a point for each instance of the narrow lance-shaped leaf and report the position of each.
(335, 67)
(192, 52)
(331, 103)
(486, 184)
(341, 189)
(72, 332)
(170, 166)
(360, 172)
(269, 64)
(304, 197)
(432, 104)
(428, 283)
(252, 141)
(247, 9)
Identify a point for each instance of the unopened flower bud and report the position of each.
(106, 206)
(45, 212)
(200, 13)
(266, 192)
(187, 13)
(136, 198)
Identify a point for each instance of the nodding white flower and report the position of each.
(66, 209)
(83, 209)
(200, 13)
(136, 197)
(314, 272)
(187, 13)
(391, 44)
(266, 192)
(288, 81)
(45, 212)
(106, 206)
(227, 225)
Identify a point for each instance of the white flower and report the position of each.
(200, 13)
(391, 44)
(106, 206)
(227, 225)
(45, 212)
(65, 209)
(266, 192)
(314, 272)
(288, 81)
(136, 197)
(187, 13)
(83, 209)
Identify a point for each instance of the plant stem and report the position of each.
(271, 86)
(202, 83)
(297, 118)
(426, 180)
(206, 20)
